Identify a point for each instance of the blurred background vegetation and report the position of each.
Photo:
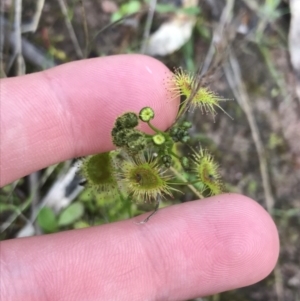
(259, 151)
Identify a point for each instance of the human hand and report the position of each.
(188, 250)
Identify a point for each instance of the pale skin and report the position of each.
(189, 250)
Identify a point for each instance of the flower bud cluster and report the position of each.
(180, 133)
(125, 135)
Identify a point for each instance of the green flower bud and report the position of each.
(181, 132)
(136, 141)
(167, 160)
(187, 125)
(128, 120)
(146, 114)
(119, 137)
(174, 131)
(185, 162)
(185, 139)
(158, 139)
(175, 139)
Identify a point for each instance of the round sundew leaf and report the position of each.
(144, 180)
(207, 170)
(98, 170)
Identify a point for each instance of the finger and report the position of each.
(184, 251)
(69, 111)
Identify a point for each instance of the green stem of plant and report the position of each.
(185, 183)
(182, 110)
(180, 176)
(152, 127)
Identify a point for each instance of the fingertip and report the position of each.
(69, 111)
(227, 241)
(112, 86)
(255, 228)
(260, 233)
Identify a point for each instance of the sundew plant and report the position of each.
(143, 166)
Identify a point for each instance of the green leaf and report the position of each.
(71, 214)
(47, 220)
(165, 8)
(192, 11)
(116, 16)
(130, 7)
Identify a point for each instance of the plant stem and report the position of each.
(152, 127)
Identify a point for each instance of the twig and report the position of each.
(35, 197)
(148, 25)
(218, 35)
(294, 42)
(32, 26)
(110, 25)
(30, 52)
(278, 282)
(205, 69)
(18, 45)
(2, 73)
(85, 28)
(18, 212)
(56, 197)
(70, 28)
(36, 56)
(233, 75)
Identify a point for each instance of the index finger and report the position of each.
(69, 111)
